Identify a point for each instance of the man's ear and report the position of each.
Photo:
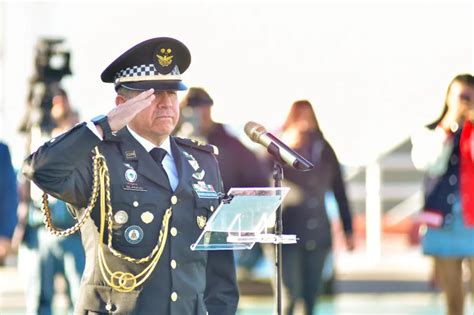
(119, 99)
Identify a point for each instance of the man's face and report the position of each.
(159, 119)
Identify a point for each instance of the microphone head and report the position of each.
(254, 130)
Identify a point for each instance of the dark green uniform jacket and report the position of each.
(184, 281)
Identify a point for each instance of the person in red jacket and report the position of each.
(445, 151)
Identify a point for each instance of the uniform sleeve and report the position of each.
(8, 194)
(62, 166)
(431, 150)
(222, 293)
(339, 190)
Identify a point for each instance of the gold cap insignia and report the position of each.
(166, 59)
(201, 221)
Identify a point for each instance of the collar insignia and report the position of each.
(130, 155)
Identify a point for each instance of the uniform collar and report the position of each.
(166, 145)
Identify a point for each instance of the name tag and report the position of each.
(133, 187)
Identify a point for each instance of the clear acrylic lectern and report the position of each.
(243, 219)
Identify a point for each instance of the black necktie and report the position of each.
(158, 154)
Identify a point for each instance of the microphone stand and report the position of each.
(278, 163)
(278, 177)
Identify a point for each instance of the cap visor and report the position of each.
(156, 85)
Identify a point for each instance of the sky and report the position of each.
(374, 71)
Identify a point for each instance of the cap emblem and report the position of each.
(166, 59)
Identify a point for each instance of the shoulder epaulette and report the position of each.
(198, 145)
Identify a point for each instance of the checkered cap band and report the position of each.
(143, 71)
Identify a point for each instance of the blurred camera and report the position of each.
(51, 60)
(52, 63)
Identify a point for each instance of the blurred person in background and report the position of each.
(42, 255)
(304, 213)
(239, 166)
(445, 151)
(8, 201)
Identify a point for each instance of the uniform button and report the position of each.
(174, 231)
(212, 208)
(453, 180)
(174, 200)
(174, 296)
(448, 219)
(312, 202)
(109, 307)
(173, 264)
(135, 204)
(312, 224)
(310, 245)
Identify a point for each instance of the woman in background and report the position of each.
(305, 213)
(445, 151)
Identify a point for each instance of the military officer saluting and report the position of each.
(141, 196)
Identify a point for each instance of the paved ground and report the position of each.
(361, 304)
(395, 284)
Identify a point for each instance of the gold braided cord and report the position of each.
(118, 280)
(48, 222)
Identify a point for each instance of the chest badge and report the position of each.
(133, 234)
(147, 217)
(201, 221)
(192, 161)
(199, 175)
(130, 175)
(121, 217)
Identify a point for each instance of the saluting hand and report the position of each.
(127, 109)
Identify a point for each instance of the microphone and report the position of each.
(257, 133)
